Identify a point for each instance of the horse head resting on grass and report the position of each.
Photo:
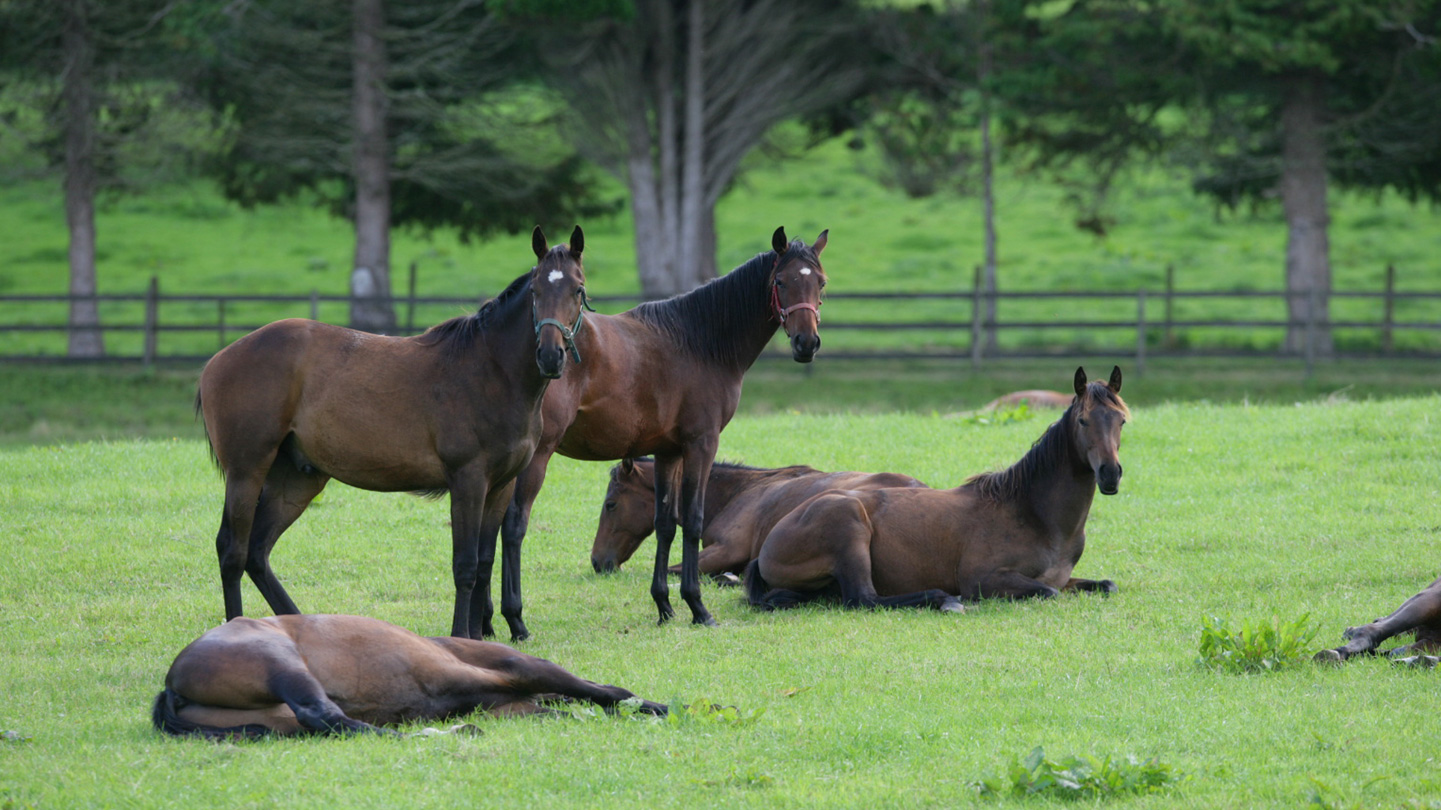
(1012, 534)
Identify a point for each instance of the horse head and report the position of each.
(557, 298)
(1099, 415)
(796, 285)
(626, 519)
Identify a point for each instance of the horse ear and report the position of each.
(820, 243)
(1080, 381)
(537, 242)
(779, 242)
(627, 465)
(1115, 382)
(577, 241)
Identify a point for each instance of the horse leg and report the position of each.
(665, 521)
(502, 680)
(467, 506)
(287, 492)
(232, 542)
(481, 609)
(1010, 585)
(697, 463)
(1421, 613)
(1092, 585)
(512, 534)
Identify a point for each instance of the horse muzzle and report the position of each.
(550, 360)
(805, 346)
(604, 565)
(1108, 479)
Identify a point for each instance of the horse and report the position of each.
(665, 381)
(742, 505)
(456, 409)
(1016, 533)
(1421, 614)
(322, 674)
(1033, 397)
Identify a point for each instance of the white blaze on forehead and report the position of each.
(805, 271)
(555, 275)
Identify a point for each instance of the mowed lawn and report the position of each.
(1241, 512)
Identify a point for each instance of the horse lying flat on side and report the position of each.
(316, 673)
(742, 505)
(1420, 614)
(1016, 533)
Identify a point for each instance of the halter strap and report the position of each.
(567, 333)
(779, 312)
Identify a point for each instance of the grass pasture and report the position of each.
(1242, 511)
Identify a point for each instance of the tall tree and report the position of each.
(671, 95)
(90, 66)
(1283, 99)
(383, 111)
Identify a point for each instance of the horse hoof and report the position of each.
(727, 580)
(1419, 661)
(1108, 587)
(516, 638)
(953, 606)
(1332, 657)
(707, 621)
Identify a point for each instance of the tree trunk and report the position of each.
(693, 150)
(1303, 196)
(988, 198)
(370, 305)
(85, 337)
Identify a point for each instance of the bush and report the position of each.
(1256, 647)
(1080, 777)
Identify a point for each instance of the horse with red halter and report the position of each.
(319, 674)
(665, 381)
(742, 505)
(1421, 615)
(1015, 533)
(456, 409)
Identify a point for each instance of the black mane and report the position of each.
(459, 334)
(711, 321)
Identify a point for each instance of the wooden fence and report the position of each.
(877, 325)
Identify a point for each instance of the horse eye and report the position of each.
(610, 506)
(1082, 421)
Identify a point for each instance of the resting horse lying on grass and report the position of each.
(1420, 614)
(1016, 533)
(313, 673)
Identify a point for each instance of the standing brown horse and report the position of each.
(1016, 533)
(1421, 614)
(457, 409)
(742, 505)
(338, 674)
(665, 380)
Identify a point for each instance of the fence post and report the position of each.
(1313, 306)
(976, 320)
(1141, 331)
(410, 306)
(314, 304)
(220, 323)
(1168, 340)
(1388, 311)
(152, 317)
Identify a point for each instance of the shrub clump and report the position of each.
(1080, 777)
(1256, 646)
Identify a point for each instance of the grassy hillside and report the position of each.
(1240, 512)
(880, 241)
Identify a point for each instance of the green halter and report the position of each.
(567, 333)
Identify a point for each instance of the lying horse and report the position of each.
(1420, 614)
(742, 505)
(1016, 533)
(309, 674)
(1033, 397)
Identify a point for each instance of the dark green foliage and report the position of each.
(1080, 777)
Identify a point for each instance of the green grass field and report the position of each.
(1243, 512)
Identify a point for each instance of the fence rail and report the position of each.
(882, 325)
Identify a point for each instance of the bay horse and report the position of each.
(456, 409)
(1421, 614)
(320, 674)
(665, 381)
(742, 505)
(1013, 534)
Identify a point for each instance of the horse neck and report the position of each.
(727, 321)
(509, 337)
(727, 482)
(1052, 480)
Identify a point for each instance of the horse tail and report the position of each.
(756, 586)
(165, 714)
(200, 414)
